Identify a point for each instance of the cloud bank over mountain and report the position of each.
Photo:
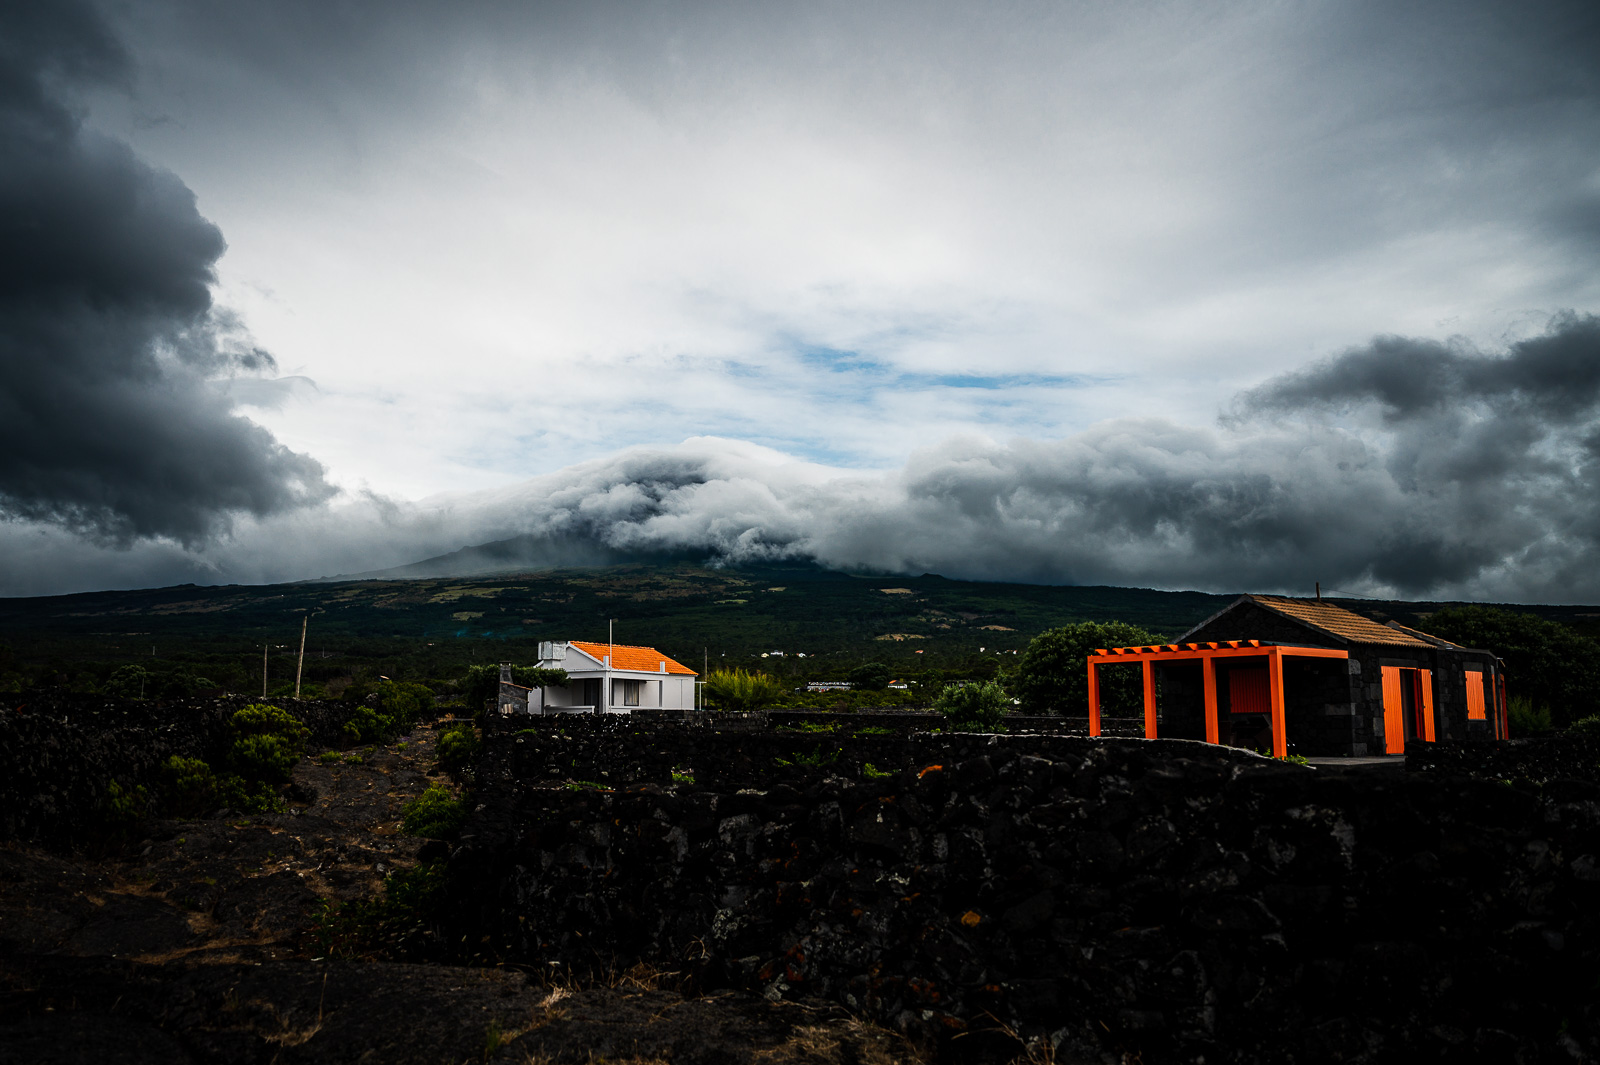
(1406, 466)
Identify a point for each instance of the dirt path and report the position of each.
(240, 888)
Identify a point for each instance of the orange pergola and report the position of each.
(1207, 654)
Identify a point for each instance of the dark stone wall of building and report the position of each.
(1115, 900)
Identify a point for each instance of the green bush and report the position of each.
(457, 747)
(264, 759)
(400, 705)
(482, 683)
(1053, 672)
(740, 692)
(435, 814)
(870, 676)
(1555, 666)
(188, 787)
(129, 682)
(974, 707)
(124, 807)
(1587, 725)
(1525, 718)
(380, 927)
(267, 743)
(249, 797)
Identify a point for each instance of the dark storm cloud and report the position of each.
(109, 421)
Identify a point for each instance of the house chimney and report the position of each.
(1319, 591)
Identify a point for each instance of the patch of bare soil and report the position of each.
(193, 946)
(232, 888)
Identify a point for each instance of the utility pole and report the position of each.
(611, 652)
(264, 670)
(305, 620)
(705, 667)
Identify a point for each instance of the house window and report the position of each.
(590, 694)
(1247, 691)
(630, 691)
(1475, 700)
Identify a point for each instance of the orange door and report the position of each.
(1476, 704)
(1394, 724)
(1425, 703)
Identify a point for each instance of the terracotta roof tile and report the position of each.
(632, 658)
(1337, 621)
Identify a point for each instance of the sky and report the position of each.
(1182, 295)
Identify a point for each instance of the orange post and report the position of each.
(1280, 741)
(1149, 699)
(1094, 700)
(1208, 670)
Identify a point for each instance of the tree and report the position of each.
(974, 707)
(481, 683)
(1553, 666)
(870, 676)
(1053, 673)
(741, 692)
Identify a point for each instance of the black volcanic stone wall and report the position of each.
(1161, 900)
(60, 752)
(1573, 755)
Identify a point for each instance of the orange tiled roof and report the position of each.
(635, 659)
(1337, 621)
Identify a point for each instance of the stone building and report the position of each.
(1303, 675)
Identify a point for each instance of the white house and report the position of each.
(603, 678)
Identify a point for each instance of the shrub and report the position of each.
(1053, 672)
(974, 707)
(435, 814)
(266, 747)
(457, 747)
(248, 797)
(740, 692)
(124, 807)
(1525, 718)
(263, 759)
(1587, 725)
(1555, 666)
(870, 676)
(129, 682)
(482, 683)
(188, 787)
(380, 926)
(388, 709)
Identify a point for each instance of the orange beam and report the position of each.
(1208, 669)
(1094, 699)
(1149, 699)
(1117, 655)
(1280, 742)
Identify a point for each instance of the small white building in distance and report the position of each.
(604, 678)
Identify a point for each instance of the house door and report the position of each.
(1407, 707)
(590, 691)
